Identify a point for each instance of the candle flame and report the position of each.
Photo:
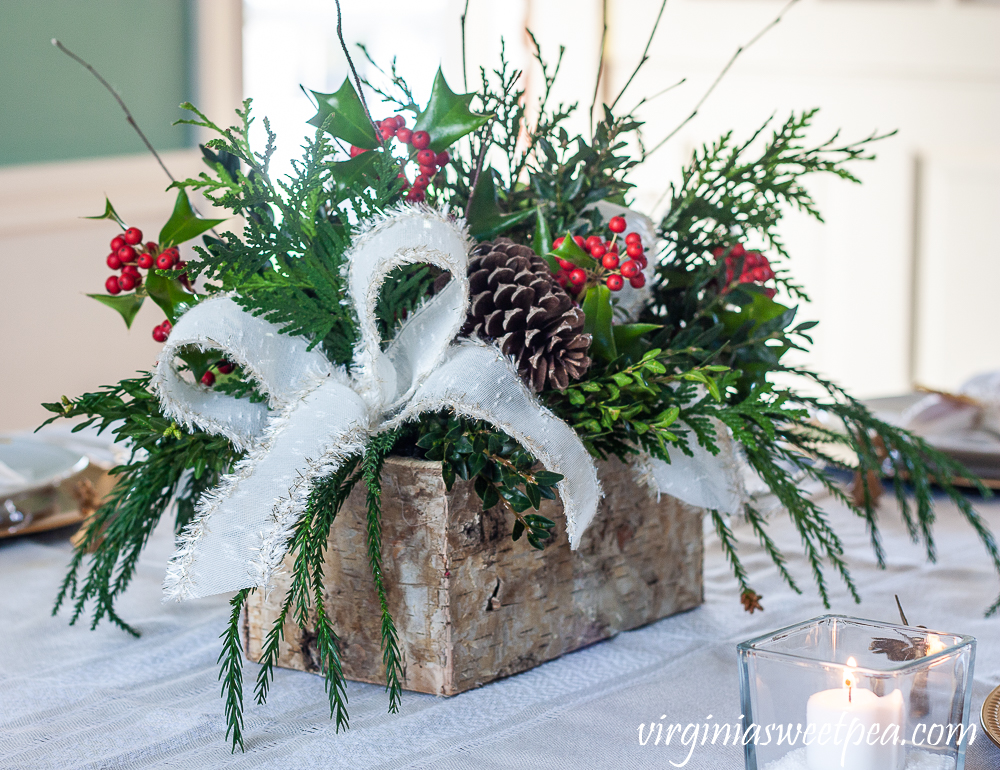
(934, 644)
(849, 681)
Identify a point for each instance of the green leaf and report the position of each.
(518, 530)
(447, 117)
(599, 312)
(169, 295)
(343, 115)
(184, 224)
(109, 213)
(126, 304)
(571, 252)
(547, 478)
(351, 173)
(628, 337)
(486, 220)
(542, 242)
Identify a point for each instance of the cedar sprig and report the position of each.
(231, 669)
(378, 449)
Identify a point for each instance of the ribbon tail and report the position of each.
(479, 382)
(703, 480)
(241, 529)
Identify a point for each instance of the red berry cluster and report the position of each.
(128, 256)
(610, 267)
(756, 268)
(430, 162)
(223, 367)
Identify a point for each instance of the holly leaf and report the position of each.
(628, 338)
(570, 251)
(486, 220)
(343, 115)
(170, 295)
(127, 305)
(599, 312)
(347, 174)
(109, 213)
(447, 117)
(542, 242)
(184, 224)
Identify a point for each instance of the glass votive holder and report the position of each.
(841, 693)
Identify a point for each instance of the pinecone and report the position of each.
(517, 303)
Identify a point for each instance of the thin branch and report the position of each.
(600, 63)
(648, 99)
(357, 80)
(722, 74)
(121, 103)
(465, 76)
(644, 58)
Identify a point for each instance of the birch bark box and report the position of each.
(471, 605)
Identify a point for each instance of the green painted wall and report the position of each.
(51, 108)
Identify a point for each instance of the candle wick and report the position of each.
(849, 693)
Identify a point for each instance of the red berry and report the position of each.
(558, 242)
(151, 247)
(612, 248)
(579, 241)
(769, 293)
(133, 236)
(629, 269)
(610, 261)
(404, 135)
(429, 170)
(426, 157)
(641, 261)
(208, 379)
(634, 250)
(565, 264)
(126, 254)
(637, 281)
(615, 282)
(131, 270)
(738, 250)
(145, 261)
(126, 282)
(160, 334)
(356, 151)
(760, 274)
(617, 224)
(442, 158)
(562, 279)
(577, 277)
(599, 250)
(400, 121)
(111, 285)
(422, 181)
(113, 262)
(592, 241)
(415, 194)
(169, 327)
(387, 132)
(421, 140)
(164, 261)
(225, 367)
(633, 238)
(718, 251)
(117, 242)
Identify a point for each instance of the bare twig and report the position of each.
(648, 99)
(479, 166)
(465, 76)
(121, 103)
(357, 80)
(644, 58)
(600, 63)
(722, 74)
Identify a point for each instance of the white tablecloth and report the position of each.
(75, 698)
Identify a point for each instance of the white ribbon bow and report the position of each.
(320, 415)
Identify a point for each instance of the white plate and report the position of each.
(29, 463)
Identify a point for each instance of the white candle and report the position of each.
(850, 728)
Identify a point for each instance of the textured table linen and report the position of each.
(75, 698)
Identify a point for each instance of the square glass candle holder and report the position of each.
(840, 693)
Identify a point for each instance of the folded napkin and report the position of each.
(975, 409)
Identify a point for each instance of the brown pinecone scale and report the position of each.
(518, 304)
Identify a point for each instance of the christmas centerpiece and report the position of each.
(463, 281)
